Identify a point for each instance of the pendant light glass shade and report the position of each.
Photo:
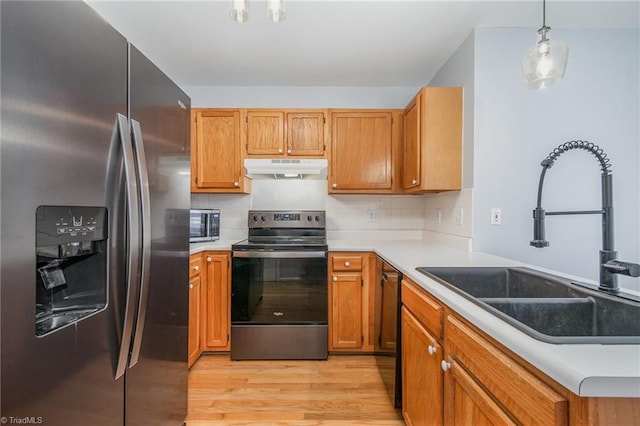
(239, 10)
(275, 10)
(545, 63)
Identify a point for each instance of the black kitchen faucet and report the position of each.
(609, 265)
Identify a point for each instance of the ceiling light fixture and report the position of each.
(544, 63)
(275, 10)
(240, 10)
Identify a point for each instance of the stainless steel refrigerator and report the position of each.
(94, 213)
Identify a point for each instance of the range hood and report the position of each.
(286, 168)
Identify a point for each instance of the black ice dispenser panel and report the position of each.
(71, 265)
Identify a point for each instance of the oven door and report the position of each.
(279, 305)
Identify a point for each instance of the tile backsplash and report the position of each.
(371, 213)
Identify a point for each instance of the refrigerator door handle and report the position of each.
(143, 177)
(133, 242)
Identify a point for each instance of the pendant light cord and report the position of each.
(544, 14)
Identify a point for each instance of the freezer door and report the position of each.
(64, 79)
(157, 376)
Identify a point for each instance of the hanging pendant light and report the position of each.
(239, 10)
(545, 63)
(275, 10)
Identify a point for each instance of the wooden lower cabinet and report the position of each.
(422, 376)
(469, 404)
(351, 301)
(386, 307)
(526, 398)
(195, 308)
(472, 382)
(217, 302)
(195, 320)
(477, 382)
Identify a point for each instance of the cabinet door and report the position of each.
(469, 404)
(216, 332)
(195, 307)
(218, 150)
(305, 133)
(411, 147)
(265, 132)
(422, 376)
(361, 144)
(388, 311)
(346, 311)
(432, 152)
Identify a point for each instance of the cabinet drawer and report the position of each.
(346, 263)
(195, 265)
(424, 308)
(527, 398)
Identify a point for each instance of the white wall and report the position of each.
(459, 71)
(515, 128)
(442, 209)
(299, 97)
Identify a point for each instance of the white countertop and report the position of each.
(588, 370)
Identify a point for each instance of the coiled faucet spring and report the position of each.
(605, 163)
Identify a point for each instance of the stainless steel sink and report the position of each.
(547, 307)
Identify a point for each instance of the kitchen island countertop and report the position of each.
(588, 370)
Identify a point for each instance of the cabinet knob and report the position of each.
(413, 182)
(236, 184)
(431, 349)
(335, 185)
(190, 286)
(196, 268)
(289, 151)
(445, 365)
(209, 259)
(335, 278)
(279, 150)
(347, 263)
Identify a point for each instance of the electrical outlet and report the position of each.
(372, 215)
(458, 215)
(496, 216)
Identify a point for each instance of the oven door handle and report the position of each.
(279, 254)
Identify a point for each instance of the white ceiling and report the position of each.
(332, 43)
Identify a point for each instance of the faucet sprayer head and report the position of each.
(538, 229)
(547, 163)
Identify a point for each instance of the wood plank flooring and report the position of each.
(344, 390)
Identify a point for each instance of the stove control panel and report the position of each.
(286, 219)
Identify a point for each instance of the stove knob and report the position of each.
(263, 217)
(309, 218)
(255, 218)
(317, 218)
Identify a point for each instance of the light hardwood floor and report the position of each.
(344, 390)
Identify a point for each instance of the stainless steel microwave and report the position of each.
(204, 225)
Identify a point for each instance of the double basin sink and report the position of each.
(546, 307)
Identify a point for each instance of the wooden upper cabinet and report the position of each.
(411, 146)
(305, 133)
(265, 132)
(216, 151)
(273, 133)
(432, 149)
(361, 151)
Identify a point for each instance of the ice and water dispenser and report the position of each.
(71, 265)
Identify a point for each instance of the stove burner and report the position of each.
(285, 230)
